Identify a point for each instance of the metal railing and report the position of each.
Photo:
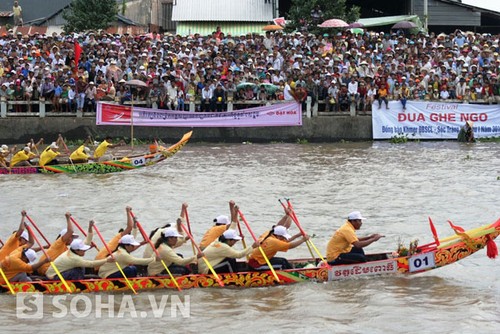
(43, 108)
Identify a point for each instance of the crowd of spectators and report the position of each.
(336, 69)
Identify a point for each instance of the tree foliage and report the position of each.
(89, 14)
(300, 13)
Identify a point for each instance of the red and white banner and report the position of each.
(282, 114)
(434, 120)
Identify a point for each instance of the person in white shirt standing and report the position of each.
(352, 90)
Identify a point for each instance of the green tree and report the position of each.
(300, 13)
(84, 15)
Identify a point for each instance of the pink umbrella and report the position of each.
(404, 25)
(333, 23)
(356, 25)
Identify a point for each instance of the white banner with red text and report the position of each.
(434, 120)
(283, 114)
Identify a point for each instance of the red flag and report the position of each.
(78, 52)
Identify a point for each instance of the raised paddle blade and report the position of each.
(433, 230)
(456, 228)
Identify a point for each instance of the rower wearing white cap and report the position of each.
(156, 233)
(175, 263)
(71, 263)
(48, 156)
(19, 239)
(80, 155)
(127, 262)
(222, 223)
(277, 240)
(17, 265)
(4, 154)
(345, 247)
(221, 254)
(112, 244)
(61, 244)
(22, 158)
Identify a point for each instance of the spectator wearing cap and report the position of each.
(276, 240)
(49, 155)
(127, 262)
(17, 241)
(404, 94)
(71, 263)
(90, 97)
(101, 66)
(63, 240)
(345, 247)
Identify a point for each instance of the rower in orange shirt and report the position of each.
(59, 246)
(277, 240)
(19, 264)
(16, 240)
(222, 224)
(113, 243)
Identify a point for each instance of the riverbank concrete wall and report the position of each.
(316, 129)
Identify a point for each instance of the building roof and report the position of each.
(222, 10)
(34, 10)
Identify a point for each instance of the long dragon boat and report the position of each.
(111, 166)
(434, 255)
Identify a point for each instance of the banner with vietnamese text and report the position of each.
(283, 114)
(434, 120)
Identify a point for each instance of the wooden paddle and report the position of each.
(47, 256)
(186, 215)
(112, 256)
(204, 257)
(91, 223)
(296, 221)
(38, 230)
(145, 237)
(11, 289)
(307, 242)
(260, 247)
(234, 218)
(60, 137)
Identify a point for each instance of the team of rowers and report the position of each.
(29, 155)
(18, 256)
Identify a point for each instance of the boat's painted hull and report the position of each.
(104, 167)
(455, 249)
